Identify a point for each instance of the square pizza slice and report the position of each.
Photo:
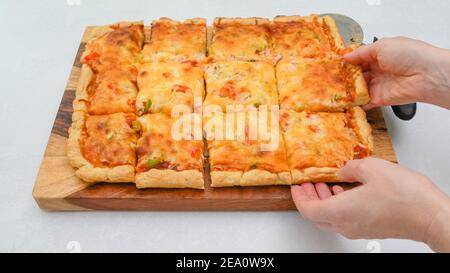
(170, 155)
(234, 83)
(102, 147)
(327, 84)
(162, 86)
(118, 43)
(242, 153)
(245, 39)
(176, 41)
(110, 89)
(319, 144)
(305, 37)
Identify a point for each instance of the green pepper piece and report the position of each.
(153, 163)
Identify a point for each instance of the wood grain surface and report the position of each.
(57, 188)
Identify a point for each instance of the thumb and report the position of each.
(363, 55)
(355, 171)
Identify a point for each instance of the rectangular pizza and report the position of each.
(305, 37)
(244, 39)
(162, 86)
(319, 144)
(169, 155)
(249, 156)
(239, 83)
(102, 147)
(126, 127)
(176, 41)
(325, 84)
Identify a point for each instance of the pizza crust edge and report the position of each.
(156, 178)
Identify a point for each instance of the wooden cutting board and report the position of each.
(57, 188)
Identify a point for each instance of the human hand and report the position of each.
(393, 202)
(402, 70)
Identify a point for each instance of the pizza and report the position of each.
(251, 163)
(232, 83)
(176, 41)
(244, 39)
(262, 102)
(165, 161)
(119, 43)
(102, 147)
(165, 85)
(325, 84)
(112, 89)
(318, 144)
(306, 37)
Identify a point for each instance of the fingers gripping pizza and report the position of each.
(133, 79)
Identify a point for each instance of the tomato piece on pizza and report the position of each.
(319, 144)
(244, 152)
(238, 83)
(170, 152)
(102, 147)
(306, 37)
(244, 39)
(163, 86)
(118, 43)
(176, 41)
(327, 84)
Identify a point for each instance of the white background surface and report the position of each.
(39, 40)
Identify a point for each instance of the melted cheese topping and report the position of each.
(122, 45)
(308, 37)
(240, 83)
(176, 41)
(165, 85)
(109, 140)
(244, 151)
(315, 85)
(158, 149)
(113, 90)
(319, 139)
(233, 40)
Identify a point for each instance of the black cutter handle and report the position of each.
(405, 111)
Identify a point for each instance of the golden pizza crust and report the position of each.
(362, 96)
(156, 178)
(81, 94)
(314, 175)
(249, 178)
(225, 178)
(362, 127)
(264, 178)
(242, 21)
(334, 31)
(288, 18)
(85, 170)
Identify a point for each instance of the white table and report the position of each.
(38, 45)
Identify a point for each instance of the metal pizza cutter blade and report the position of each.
(352, 33)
